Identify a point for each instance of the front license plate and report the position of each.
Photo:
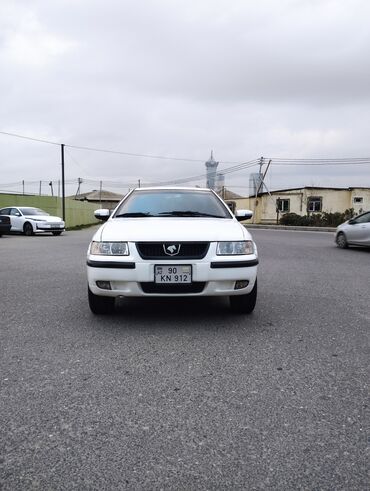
(172, 274)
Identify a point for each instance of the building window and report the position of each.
(282, 205)
(314, 204)
(358, 200)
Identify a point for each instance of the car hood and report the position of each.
(171, 229)
(45, 218)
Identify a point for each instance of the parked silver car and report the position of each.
(354, 232)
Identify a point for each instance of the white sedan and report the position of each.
(29, 220)
(354, 232)
(172, 242)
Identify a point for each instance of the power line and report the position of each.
(228, 170)
(29, 138)
(319, 158)
(129, 154)
(103, 150)
(275, 160)
(321, 162)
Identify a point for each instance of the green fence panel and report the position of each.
(78, 213)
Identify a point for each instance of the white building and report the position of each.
(305, 201)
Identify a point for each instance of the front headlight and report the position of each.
(233, 248)
(109, 248)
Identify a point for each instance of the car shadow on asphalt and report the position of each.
(175, 313)
(184, 308)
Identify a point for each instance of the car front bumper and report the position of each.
(49, 227)
(129, 278)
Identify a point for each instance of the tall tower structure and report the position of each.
(211, 166)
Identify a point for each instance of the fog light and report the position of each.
(241, 284)
(104, 285)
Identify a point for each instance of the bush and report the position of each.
(293, 219)
(316, 219)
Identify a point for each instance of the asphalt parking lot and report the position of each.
(180, 393)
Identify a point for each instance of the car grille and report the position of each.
(173, 289)
(188, 250)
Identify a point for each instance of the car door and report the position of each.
(359, 230)
(16, 219)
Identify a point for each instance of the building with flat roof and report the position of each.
(305, 201)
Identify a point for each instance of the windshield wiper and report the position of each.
(134, 214)
(188, 213)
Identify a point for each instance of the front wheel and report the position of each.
(100, 305)
(244, 304)
(342, 241)
(27, 229)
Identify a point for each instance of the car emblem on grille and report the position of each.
(171, 249)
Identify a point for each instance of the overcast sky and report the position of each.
(279, 79)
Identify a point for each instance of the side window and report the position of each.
(358, 199)
(314, 204)
(5, 211)
(283, 205)
(363, 218)
(14, 212)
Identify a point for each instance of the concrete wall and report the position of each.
(77, 212)
(365, 195)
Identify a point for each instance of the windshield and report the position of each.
(170, 203)
(33, 211)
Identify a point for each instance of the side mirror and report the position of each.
(352, 221)
(241, 215)
(102, 214)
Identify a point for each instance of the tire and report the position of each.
(244, 304)
(28, 229)
(100, 305)
(341, 241)
(56, 233)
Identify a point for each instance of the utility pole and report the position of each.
(138, 181)
(23, 186)
(262, 183)
(278, 206)
(63, 185)
(40, 189)
(100, 190)
(79, 181)
(258, 185)
(51, 186)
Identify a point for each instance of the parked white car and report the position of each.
(29, 220)
(172, 242)
(354, 232)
